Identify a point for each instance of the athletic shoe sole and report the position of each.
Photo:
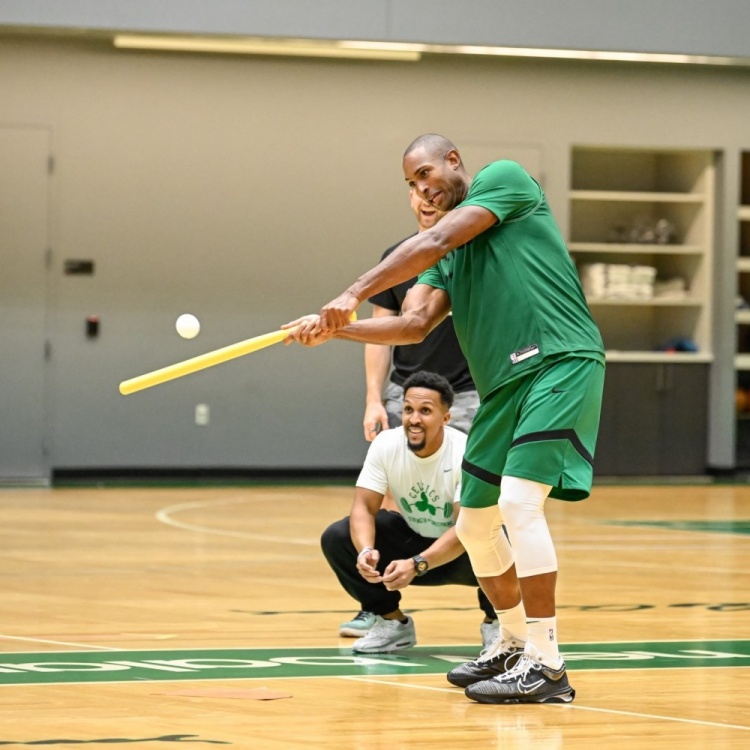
(352, 633)
(563, 696)
(400, 646)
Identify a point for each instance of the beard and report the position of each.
(414, 447)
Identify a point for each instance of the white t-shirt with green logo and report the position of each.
(424, 489)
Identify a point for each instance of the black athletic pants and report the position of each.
(395, 541)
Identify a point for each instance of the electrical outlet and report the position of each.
(202, 414)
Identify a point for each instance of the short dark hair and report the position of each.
(434, 382)
(434, 144)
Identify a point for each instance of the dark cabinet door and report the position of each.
(654, 420)
(629, 427)
(684, 419)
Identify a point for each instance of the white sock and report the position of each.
(513, 623)
(542, 635)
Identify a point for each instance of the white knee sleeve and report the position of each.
(522, 509)
(480, 530)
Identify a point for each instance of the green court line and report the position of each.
(736, 526)
(44, 668)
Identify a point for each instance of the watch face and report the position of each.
(420, 566)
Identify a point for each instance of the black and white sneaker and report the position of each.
(529, 681)
(495, 660)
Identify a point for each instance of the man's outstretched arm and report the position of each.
(409, 259)
(424, 308)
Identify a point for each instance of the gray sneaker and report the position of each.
(358, 626)
(386, 636)
(495, 660)
(529, 681)
(490, 632)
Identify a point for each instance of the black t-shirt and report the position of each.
(439, 352)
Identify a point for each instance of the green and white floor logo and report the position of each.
(222, 664)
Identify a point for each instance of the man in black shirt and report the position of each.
(440, 353)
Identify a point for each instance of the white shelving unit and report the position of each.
(617, 197)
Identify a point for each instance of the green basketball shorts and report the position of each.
(541, 427)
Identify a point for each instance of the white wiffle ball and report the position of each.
(188, 326)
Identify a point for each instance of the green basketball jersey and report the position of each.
(515, 294)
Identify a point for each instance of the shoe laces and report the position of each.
(382, 626)
(521, 668)
(361, 615)
(495, 650)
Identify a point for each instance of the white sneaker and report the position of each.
(358, 626)
(386, 636)
(490, 632)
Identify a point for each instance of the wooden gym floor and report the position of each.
(206, 616)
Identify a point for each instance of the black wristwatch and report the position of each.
(421, 566)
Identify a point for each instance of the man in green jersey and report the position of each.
(498, 263)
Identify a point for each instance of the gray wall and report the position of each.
(251, 190)
(676, 26)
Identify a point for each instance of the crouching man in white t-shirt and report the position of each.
(374, 552)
